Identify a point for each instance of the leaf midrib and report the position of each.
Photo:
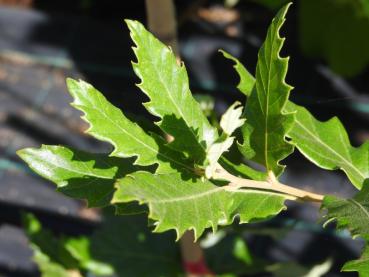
(172, 100)
(267, 103)
(136, 139)
(89, 173)
(357, 204)
(215, 190)
(188, 197)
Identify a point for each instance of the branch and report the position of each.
(271, 184)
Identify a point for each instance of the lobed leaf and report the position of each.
(76, 173)
(324, 143)
(230, 121)
(327, 145)
(264, 134)
(108, 123)
(166, 84)
(195, 204)
(352, 214)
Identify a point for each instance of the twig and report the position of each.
(270, 184)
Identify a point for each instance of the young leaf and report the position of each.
(352, 214)
(78, 174)
(230, 121)
(327, 145)
(108, 123)
(215, 152)
(166, 84)
(195, 204)
(267, 123)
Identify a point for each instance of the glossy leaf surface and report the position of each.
(264, 134)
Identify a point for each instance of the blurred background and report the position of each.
(43, 42)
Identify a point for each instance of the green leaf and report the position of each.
(352, 214)
(267, 123)
(79, 248)
(324, 143)
(247, 81)
(46, 266)
(242, 252)
(327, 145)
(49, 253)
(108, 123)
(121, 246)
(78, 174)
(126, 244)
(195, 204)
(230, 121)
(166, 84)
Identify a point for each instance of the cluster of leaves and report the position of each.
(184, 184)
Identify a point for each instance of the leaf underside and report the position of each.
(76, 172)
